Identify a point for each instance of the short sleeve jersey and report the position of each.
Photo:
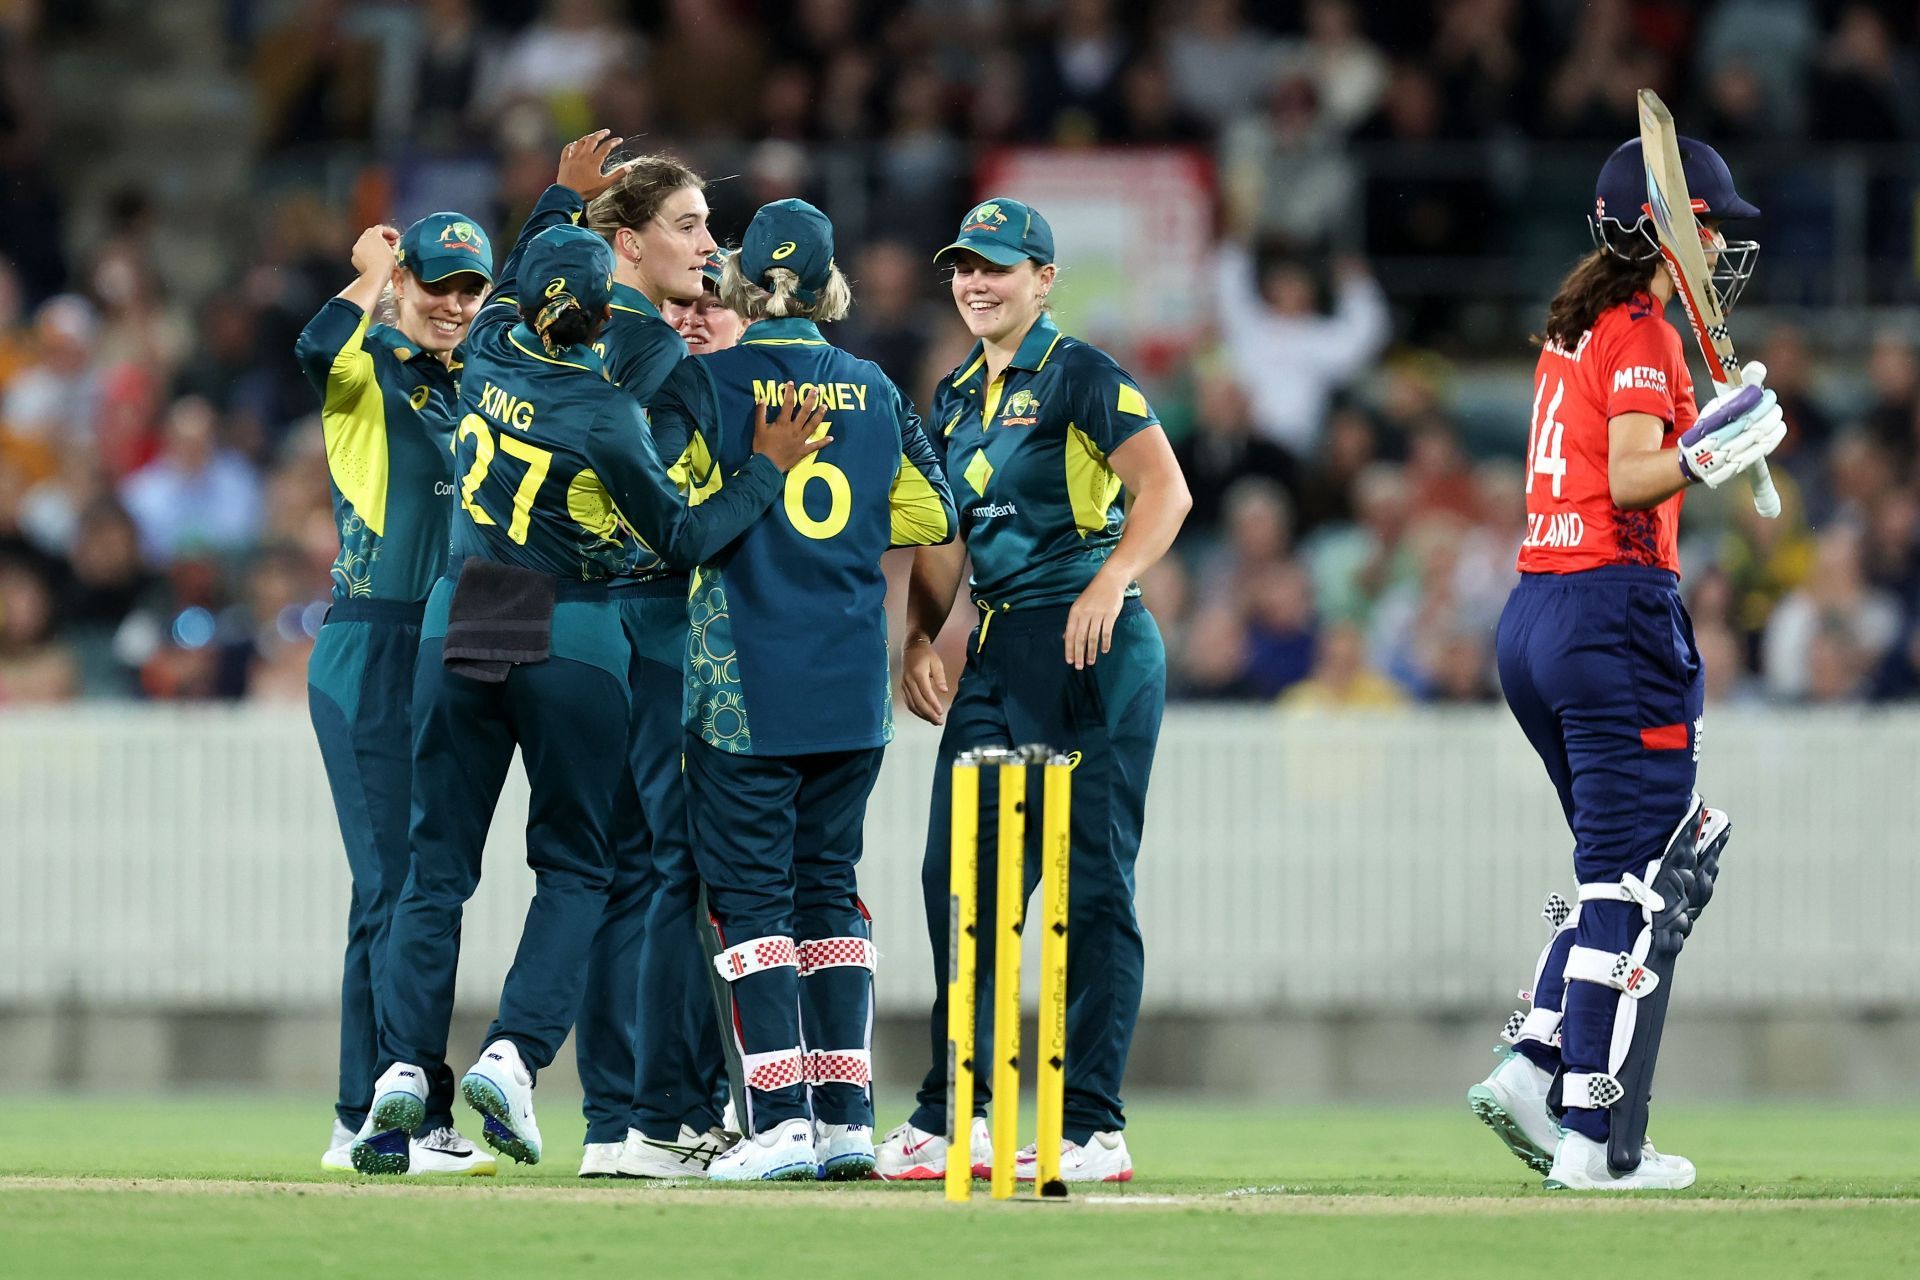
(387, 412)
(1027, 457)
(787, 652)
(1629, 362)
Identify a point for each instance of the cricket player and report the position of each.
(1042, 432)
(387, 397)
(707, 324)
(653, 1079)
(522, 646)
(788, 709)
(1598, 662)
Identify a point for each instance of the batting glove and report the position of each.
(1739, 427)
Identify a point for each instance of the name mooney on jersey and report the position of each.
(841, 396)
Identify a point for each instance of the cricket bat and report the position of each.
(1674, 225)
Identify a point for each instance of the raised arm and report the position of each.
(578, 180)
(331, 349)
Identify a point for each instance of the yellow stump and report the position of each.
(1050, 1079)
(1010, 906)
(963, 889)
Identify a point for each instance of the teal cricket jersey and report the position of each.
(649, 360)
(387, 412)
(1027, 456)
(555, 465)
(788, 649)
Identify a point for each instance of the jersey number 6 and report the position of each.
(537, 460)
(839, 494)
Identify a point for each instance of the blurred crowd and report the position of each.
(165, 529)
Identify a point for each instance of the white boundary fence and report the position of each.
(189, 859)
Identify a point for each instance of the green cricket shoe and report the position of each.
(500, 1088)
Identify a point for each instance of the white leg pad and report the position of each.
(840, 1066)
(754, 955)
(777, 1070)
(836, 953)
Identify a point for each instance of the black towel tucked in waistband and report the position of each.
(501, 616)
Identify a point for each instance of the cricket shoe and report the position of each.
(1104, 1158)
(1513, 1103)
(601, 1159)
(444, 1150)
(339, 1156)
(384, 1143)
(687, 1156)
(782, 1154)
(500, 1087)
(914, 1155)
(1580, 1164)
(843, 1152)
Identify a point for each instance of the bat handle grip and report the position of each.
(1766, 498)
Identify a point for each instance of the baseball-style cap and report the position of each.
(1620, 195)
(446, 244)
(791, 234)
(567, 262)
(1004, 231)
(716, 262)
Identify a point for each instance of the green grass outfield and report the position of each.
(212, 1188)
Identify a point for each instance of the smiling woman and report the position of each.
(387, 410)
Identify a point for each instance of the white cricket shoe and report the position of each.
(1513, 1103)
(782, 1154)
(384, 1142)
(339, 1156)
(601, 1159)
(444, 1150)
(1104, 1158)
(1580, 1164)
(688, 1156)
(843, 1152)
(914, 1155)
(500, 1087)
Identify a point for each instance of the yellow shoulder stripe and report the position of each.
(919, 518)
(1091, 484)
(1131, 401)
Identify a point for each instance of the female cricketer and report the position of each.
(1042, 433)
(1598, 663)
(707, 323)
(521, 646)
(653, 1079)
(787, 710)
(387, 396)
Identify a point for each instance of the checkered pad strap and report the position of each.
(836, 953)
(840, 1066)
(754, 955)
(1618, 970)
(1538, 1024)
(781, 1069)
(1594, 1090)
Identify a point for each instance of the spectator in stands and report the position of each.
(1826, 634)
(51, 404)
(1341, 679)
(891, 326)
(34, 665)
(1219, 67)
(1789, 376)
(313, 78)
(1150, 113)
(1865, 87)
(197, 494)
(1354, 565)
(1893, 370)
(1289, 357)
(574, 42)
(456, 57)
(1280, 628)
(1349, 74)
(1222, 451)
(1285, 176)
(1079, 67)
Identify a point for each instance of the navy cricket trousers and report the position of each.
(1602, 673)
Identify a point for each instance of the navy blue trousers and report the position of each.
(1017, 689)
(778, 841)
(1602, 673)
(360, 694)
(647, 1042)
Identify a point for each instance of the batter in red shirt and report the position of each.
(1598, 662)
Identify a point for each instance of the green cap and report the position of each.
(716, 262)
(1004, 231)
(446, 244)
(791, 234)
(565, 264)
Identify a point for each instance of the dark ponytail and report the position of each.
(1600, 280)
(561, 322)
